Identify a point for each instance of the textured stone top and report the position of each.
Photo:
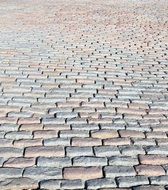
(84, 94)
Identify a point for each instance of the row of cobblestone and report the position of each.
(83, 95)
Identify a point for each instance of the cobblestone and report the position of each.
(44, 151)
(153, 159)
(19, 162)
(131, 150)
(148, 170)
(117, 141)
(101, 183)
(83, 95)
(54, 162)
(122, 161)
(18, 183)
(79, 151)
(104, 134)
(52, 184)
(149, 187)
(132, 181)
(42, 173)
(57, 142)
(8, 152)
(10, 172)
(89, 161)
(27, 143)
(18, 135)
(115, 171)
(86, 142)
(101, 151)
(84, 173)
(157, 150)
(160, 180)
(72, 184)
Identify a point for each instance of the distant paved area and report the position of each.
(84, 94)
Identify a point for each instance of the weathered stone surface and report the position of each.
(101, 151)
(8, 152)
(79, 151)
(149, 187)
(54, 162)
(19, 162)
(57, 151)
(50, 184)
(42, 173)
(72, 184)
(83, 95)
(153, 159)
(89, 161)
(101, 183)
(18, 184)
(132, 181)
(160, 180)
(122, 161)
(84, 173)
(116, 171)
(10, 173)
(150, 170)
(104, 134)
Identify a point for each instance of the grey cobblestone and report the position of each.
(89, 161)
(9, 127)
(57, 142)
(16, 135)
(123, 161)
(148, 187)
(72, 184)
(42, 173)
(108, 151)
(7, 152)
(116, 171)
(50, 184)
(157, 150)
(56, 121)
(1, 161)
(79, 151)
(131, 150)
(10, 172)
(101, 183)
(66, 115)
(5, 142)
(132, 181)
(144, 142)
(160, 180)
(84, 127)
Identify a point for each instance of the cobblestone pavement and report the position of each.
(84, 94)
